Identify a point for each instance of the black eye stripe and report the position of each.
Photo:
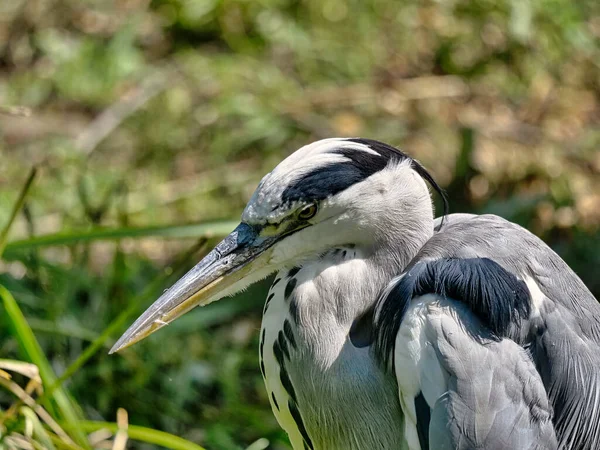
(328, 180)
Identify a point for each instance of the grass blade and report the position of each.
(198, 230)
(31, 348)
(60, 444)
(121, 319)
(39, 432)
(26, 399)
(61, 329)
(16, 208)
(144, 434)
(29, 370)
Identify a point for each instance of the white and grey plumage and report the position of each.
(387, 329)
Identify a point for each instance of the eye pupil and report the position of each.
(308, 211)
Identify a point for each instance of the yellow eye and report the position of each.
(307, 212)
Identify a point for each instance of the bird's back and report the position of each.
(561, 327)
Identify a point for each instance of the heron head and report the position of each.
(327, 194)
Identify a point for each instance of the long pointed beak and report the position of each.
(239, 254)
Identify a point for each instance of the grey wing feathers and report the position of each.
(451, 219)
(561, 329)
(495, 398)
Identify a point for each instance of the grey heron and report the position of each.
(385, 328)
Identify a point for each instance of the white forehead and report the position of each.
(268, 195)
(318, 153)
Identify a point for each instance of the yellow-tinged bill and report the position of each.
(238, 255)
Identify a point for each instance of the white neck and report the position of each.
(335, 289)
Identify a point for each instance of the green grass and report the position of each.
(22, 422)
(16, 209)
(143, 434)
(200, 230)
(64, 408)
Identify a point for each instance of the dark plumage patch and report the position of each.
(269, 298)
(262, 347)
(497, 297)
(277, 280)
(289, 288)
(275, 401)
(281, 352)
(278, 353)
(423, 418)
(289, 334)
(293, 271)
(361, 331)
(294, 314)
(283, 344)
(300, 423)
(328, 180)
(283, 375)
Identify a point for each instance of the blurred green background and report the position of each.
(152, 121)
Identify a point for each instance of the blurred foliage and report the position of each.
(147, 116)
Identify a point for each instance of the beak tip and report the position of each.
(127, 340)
(115, 348)
(135, 333)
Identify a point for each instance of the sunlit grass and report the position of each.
(43, 415)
